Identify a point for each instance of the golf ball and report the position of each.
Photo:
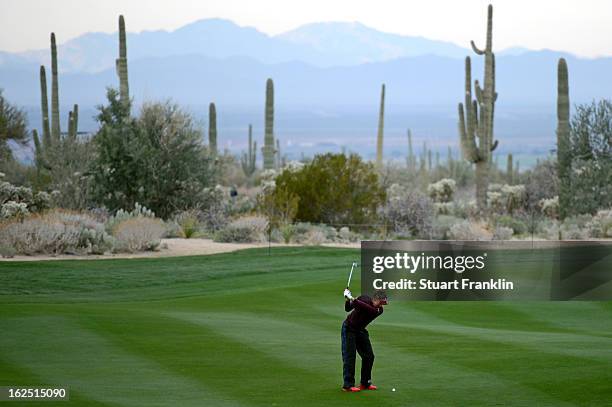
(393, 389)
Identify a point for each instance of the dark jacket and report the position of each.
(363, 313)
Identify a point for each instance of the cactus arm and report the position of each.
(268, 148)
(212, 128)
(476, 49)
(121, 64)
(55, 115)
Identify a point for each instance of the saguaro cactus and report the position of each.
(73, 122)
(55, 115)
(121, 64)
(44, 108)
(279, 159)
(564, 160)
(268, 148)
(411, 158)
(249, 158)
(212, 128)
(476, 117)
(510, 170)
(381, 128)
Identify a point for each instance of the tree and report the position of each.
(335, 189)
(157, 159)
(12, 127)
(591, 158)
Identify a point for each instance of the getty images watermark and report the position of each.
(493, 270)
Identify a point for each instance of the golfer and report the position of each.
(355, 337)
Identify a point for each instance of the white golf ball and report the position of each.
(393, 389)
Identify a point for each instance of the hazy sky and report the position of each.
(581, 27)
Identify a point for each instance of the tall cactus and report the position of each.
(55, 115)
(510, 170)
(121, 64)
(411, 158)
(249, 159)
(381, 128)
(279, 159)
(476, 117)
(212, 128)
(73, 122)
(268, 148)
(564, 160)
(44, 107)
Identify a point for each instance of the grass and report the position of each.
(248, 329)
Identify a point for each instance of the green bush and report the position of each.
(518, 227)
(334, 189)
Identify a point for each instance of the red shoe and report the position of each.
(370, 387)
(351, 389)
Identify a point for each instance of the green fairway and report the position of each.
(248, 329)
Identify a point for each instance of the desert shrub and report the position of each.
(287, 232)
(600, 225)
(410, 212)
(502, 233)
(307, 233)
(246, 229)
(468, 230)
(444, 208)
(12, 209)
(19, 201)
(542, 182)
(138, 234)
(7, 252)
(56, 232)
(506, 198)
(550, 207)
(441, 226)
(121, 215)
(548, 229)
(335, 189)
(188, 224)
(465, 209)
(347, 235)
(215, 208)
(442, 191)
(518, 226)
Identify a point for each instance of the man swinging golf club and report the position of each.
(355, 337)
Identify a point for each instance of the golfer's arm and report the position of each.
(348, 305)
(357, 303)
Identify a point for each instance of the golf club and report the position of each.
(348, 284)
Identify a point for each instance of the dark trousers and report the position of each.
(356, 341)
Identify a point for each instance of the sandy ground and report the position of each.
(172, 247)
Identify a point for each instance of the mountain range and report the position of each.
(323, 73)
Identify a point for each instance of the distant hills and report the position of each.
(320, 44)
(324, 73)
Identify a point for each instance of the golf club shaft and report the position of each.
(348, 284)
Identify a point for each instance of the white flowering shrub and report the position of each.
(601, 224)
(443, 190)
(19, 201)
(506, 198)
(12, 209)
(550, 207)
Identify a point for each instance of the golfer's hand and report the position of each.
(348, 295)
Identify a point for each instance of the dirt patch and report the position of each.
(172, 248)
